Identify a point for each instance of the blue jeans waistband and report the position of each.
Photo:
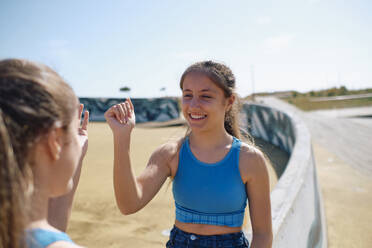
(181, 239)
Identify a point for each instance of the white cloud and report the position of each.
(278, 43)
(190, 55)
(58, 54)
(59, 48)
(58, 43)
(314, 1)
(262, 20)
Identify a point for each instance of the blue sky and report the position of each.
(100, 46)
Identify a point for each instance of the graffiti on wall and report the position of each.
(149, 109)
(268, 124)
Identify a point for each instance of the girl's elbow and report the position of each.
(125, 210)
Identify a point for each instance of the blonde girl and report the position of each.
(45, 145)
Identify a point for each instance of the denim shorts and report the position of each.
(181, 239)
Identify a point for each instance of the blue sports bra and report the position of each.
(211, 194)
(40, 238)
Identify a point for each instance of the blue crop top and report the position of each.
(40, 238)
(211, 194)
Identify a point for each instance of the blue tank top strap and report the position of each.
(40, 238)
(236, 146)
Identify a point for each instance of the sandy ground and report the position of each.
(347, 199)
(95, 219)
(348, 138)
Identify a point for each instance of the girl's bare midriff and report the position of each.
(205, 229)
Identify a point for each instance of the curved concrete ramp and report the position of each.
(297, 209)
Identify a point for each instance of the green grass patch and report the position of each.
(305, 103)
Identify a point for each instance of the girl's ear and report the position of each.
(230, 102)
(54, 143)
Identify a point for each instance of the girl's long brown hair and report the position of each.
(12, 200)
(32, 99)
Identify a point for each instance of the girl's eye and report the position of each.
(187, 96)
(205, 96)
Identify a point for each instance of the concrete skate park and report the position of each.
(341, 143)
(297, 208)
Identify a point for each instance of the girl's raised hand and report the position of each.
(121, 117)
(83, 129)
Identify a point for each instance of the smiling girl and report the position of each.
(214, 173)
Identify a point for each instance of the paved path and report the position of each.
(343, 133)
(342, 148)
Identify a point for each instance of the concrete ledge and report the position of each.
(297, 211)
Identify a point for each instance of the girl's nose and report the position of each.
(194, 102)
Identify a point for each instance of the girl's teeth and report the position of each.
(197, 116)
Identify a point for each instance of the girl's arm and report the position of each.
(132, 193)
(59, 208)
(258, 192)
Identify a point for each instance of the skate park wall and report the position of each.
(147, 109)
(296, 201)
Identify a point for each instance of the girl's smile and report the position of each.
(197, 117)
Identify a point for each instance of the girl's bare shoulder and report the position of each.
(168, 155)
(169, 150)
(252, 161)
